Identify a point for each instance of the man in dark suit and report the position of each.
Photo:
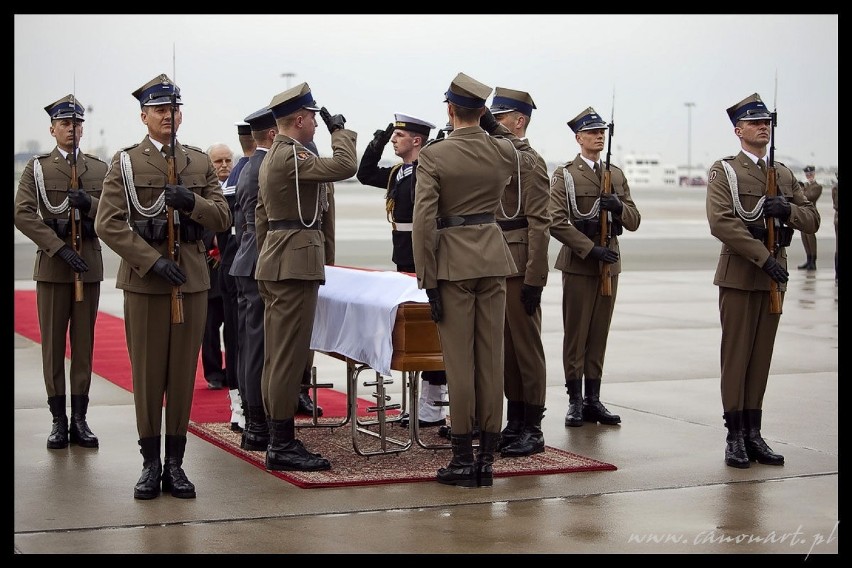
(738, 211)
(462, 261)
(159, 284)
(294, 224)
(45, 207)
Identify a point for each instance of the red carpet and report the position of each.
(210, 419)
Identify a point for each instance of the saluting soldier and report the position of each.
(738, 210)
(525, 221)
(462, 261)
(132, 222)
(576, 200)
(294, 223)
(43, 205)
(812, 190)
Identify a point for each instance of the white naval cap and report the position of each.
(411, 123)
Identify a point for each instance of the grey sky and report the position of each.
(367, 67)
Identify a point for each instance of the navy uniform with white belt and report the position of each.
(294, 223)
(525, 221)
(575, 204)
(737, 212)
(42, 206)
(132, 222)
(409, 135)
(462, 261)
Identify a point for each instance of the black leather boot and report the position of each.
(531, 440)
(514, 423)
(812, 265)
(806, 265)
(735, 452)
(148, 485)
(488, 442)
(256, 433)
(755, 446)
(575, 402)
(286, 453)
(58, 437)
(174, 478)
(461, 470)
(79, 432)
(593, 408)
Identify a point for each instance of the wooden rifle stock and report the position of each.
(76, 232)
(772, 191)
(174, 244)
(606, 277)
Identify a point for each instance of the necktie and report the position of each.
(762, 165)
(597, 169)
(167, 151)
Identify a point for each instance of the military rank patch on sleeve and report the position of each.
(302, 155)
(712, 175)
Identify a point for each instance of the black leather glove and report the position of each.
(441, 134)
(775, 270)
(777, 206)
(531, 298)
(604, 254)
(488, 122)
(435, 304)
(333, 123)
(611, 202)
(381, 138)
(80, 199)
(74, 260)
(169, 271)
(179, 197)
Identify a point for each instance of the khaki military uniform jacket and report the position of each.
(812, 190)
(291, 179)
(450, 184)
(149, 176)
(573, 256)
(31, 215)
(529, 244)
(742, 256)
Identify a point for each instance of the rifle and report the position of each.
(173, 220)
(606, 187)
(773, 223)
(74, 213)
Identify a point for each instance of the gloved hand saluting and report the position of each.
(488, 122)
(381, 138)
(611, 202)
(333, 123)
(179, 197)
(531, 298)
(79, 199)
(435, 304)
(775, 270)
(169, 271)
(74, 260)
(776, 206)
(604, 254)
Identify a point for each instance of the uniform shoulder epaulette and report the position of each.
(614, 167)
(93, 157)
(436, 140)
(568, 163)
(132, 146)
(729, 158)
(39, 156)
(188, 147)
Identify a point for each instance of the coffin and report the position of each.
(416, 345)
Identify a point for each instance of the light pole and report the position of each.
(288, 76)
(689, 141)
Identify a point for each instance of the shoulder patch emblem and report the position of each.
(302, 155)
(712, 175)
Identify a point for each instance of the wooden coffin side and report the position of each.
(416, 345)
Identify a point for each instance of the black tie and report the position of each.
(597, 169)
(762, 165)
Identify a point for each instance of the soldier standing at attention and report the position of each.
(737, 210)
(576, 200)
(294, 222)
(43, 204)
(132, 221)
(408, 135)
(525, 222)
(462, 261)
(812, 191)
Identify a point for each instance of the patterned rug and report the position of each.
(415, 464)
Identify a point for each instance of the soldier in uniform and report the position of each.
(737, 211)
(462, 261)
(294, 223)
(44, 206)
(525, 222)
(409, 135)
(836, 223)
(132, 221)
(575, 203)
(812, 191)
